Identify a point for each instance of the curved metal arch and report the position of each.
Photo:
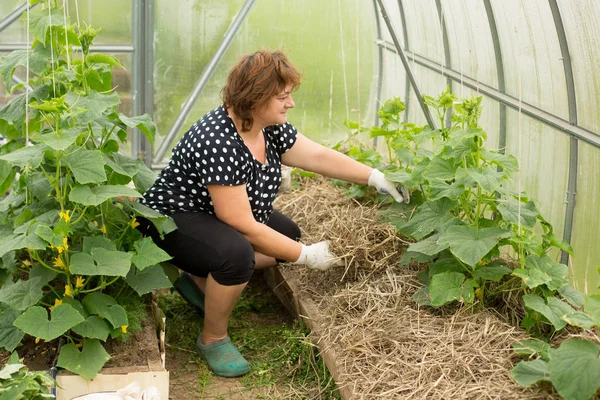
(400, 51)
(574, 143)
(447, 55)
(379, 68)
(407, 47)
(500, 71)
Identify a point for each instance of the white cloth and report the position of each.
(133, 391)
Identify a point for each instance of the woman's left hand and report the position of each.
(384, 186)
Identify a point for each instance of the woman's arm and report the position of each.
(233, 208)
(314, 157)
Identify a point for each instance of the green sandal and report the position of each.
(223, 358)
(188, 289)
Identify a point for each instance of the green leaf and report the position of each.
(87, 166)
(56, 141)
(449, 286)
(507, 162)
(440, 189)
(121, 164)
(556, 271)
(86, 363)
(429, 246)
(148, 253)
(10, 336)
(9, 370)
(151, 278)
(99, 194)
(527, 373)
(144, 123)
(444, 265)
(440, 169)
(553, 311)
(580, 319)
(23, 294)
(28, 156)
(17, 242)
(101, 262)
(93, 328)
(39, 186)
(107, 307)
(40, 22)
(532, 277)
(470, 244)
(38, 60)
(572, 295)
(35, 321)
(90, 242)
(428, 217)
(98, 58)
(46, 275)
(592, 306)
(512, 214)
(409, 257)
(487, 177)
(494, 271)
(92, 106)
(144, 178)
(575, 369)
(531, 347)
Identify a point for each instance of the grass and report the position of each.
(283, 361)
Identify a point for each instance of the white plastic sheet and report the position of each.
(132, 391)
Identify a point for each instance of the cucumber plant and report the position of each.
(69, 248)
(478, 236)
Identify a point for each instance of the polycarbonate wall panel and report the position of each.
(395, 82)
(580, 18)
(424, 31)
(586, 235)
(430, 83)
(543, 155)
(330, 42)
(470, 40)
(490, 115)
(532, 56)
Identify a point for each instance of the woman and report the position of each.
(219, 188)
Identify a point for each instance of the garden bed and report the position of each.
(141, 359)
(376, 340)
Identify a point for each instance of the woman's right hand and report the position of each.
(317, 256)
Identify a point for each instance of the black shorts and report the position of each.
(202, 244)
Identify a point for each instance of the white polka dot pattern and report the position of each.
(212, 153)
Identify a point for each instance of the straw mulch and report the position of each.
(385, 345)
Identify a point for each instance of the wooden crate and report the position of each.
(113, 379)
(286, 289)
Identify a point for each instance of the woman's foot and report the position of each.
(189, 290)
(223, 358)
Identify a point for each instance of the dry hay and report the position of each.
(385, 345)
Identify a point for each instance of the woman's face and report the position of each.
(275, 111)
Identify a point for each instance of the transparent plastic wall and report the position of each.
(330, 42)
(528, 66)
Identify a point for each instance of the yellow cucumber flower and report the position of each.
(65, 215)
(37, 340)
(124, 328)
(68, 291)
(57, 302)
(58, 263)
(65, 243)
(103, 229)
(79, 281)
(134, 224)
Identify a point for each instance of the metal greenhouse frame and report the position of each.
(142, 50)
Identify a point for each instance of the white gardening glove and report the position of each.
(383, 186)
(317, 256)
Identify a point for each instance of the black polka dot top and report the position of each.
(212, 153)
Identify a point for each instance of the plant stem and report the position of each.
(102, 285)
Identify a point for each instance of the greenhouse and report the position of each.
(299, 199)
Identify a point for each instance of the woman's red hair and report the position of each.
(254, 79)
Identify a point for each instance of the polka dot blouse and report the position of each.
(213, 153)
